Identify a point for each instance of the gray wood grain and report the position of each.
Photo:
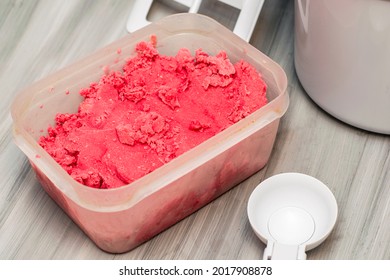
(39, 37)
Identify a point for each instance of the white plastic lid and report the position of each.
(291, 213)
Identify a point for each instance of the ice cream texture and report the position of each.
(156, 108)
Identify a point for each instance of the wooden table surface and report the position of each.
(39, 37)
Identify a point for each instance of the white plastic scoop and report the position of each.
(291, 213)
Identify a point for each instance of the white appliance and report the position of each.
(342, 58)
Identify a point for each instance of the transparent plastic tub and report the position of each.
(120, 219)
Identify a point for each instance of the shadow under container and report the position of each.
(119, 219)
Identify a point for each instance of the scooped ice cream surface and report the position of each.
(158, 107)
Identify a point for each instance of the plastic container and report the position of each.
(120, 219)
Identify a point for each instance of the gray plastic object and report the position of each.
(250, 10)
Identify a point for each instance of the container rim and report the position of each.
(162, 176)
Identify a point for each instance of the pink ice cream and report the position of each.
(134, 121)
